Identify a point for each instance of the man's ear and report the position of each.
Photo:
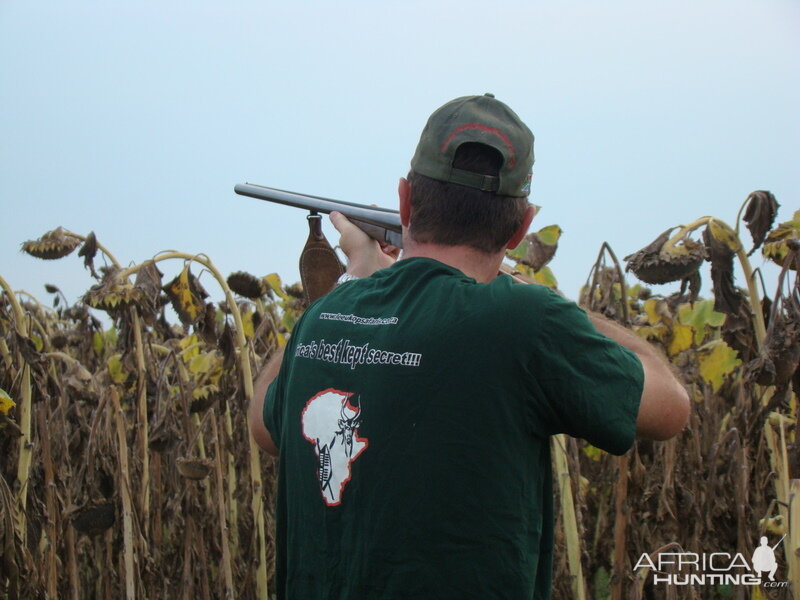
(404, 192)
(530, 212)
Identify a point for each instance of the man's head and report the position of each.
(470, 175)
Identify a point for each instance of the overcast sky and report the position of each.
(136, 119)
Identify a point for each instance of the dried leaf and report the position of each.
(727, 298)
(738, 332)
(227, 347)
(88, 251)
(762, 208)
(148, 282)
(187, 296)
(537, 249)
(27, 348)
(207, 326)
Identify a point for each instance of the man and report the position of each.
(414, 405)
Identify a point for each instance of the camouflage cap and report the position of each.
(483, 120)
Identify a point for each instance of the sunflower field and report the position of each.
(127, 469)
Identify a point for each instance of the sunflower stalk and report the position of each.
(223, 523)
(792, 547)
(247, 383)
(569, 518)
(50, 528)
(620, 526)
(141, 384)
(125, 493)
(24, 408)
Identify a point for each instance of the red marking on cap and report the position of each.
(506, 141)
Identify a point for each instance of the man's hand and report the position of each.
(365, 255)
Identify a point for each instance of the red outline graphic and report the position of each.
(512, 159)
(365, 441)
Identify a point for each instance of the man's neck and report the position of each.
(473, 263)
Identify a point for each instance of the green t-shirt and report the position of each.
(413, 411)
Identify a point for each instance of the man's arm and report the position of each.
(255, 413)
(664, 408)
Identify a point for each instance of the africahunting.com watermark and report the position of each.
(674, 566)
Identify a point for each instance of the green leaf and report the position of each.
(681, 339)
(545, 277)
(724, 234)
(549, 235)
(203, 363)
(37, 341)
(698, 316)
(115, 369)
(289, 319)
(247, 324)
(656, 332)
(716, 361)
(6, 403)
(519, 252)
(189, 347)
(275, 284)
(98, 342)
(592, 452)
(601, 584)
(657, 311)
(775, 247)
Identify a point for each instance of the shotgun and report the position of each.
(382, 224)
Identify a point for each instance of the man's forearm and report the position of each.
(623, 336)
(664, 407)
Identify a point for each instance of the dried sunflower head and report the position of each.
(194, 467)
(656, 264)
(295, 290)
(94, 518)
(247, 285)
(112, 293)
(53, 244)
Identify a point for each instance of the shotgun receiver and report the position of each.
(382, 224)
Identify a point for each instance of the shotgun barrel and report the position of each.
(382, 224)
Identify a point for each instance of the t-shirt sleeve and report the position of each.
(585, 384)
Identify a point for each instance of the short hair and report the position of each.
(451, 214)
